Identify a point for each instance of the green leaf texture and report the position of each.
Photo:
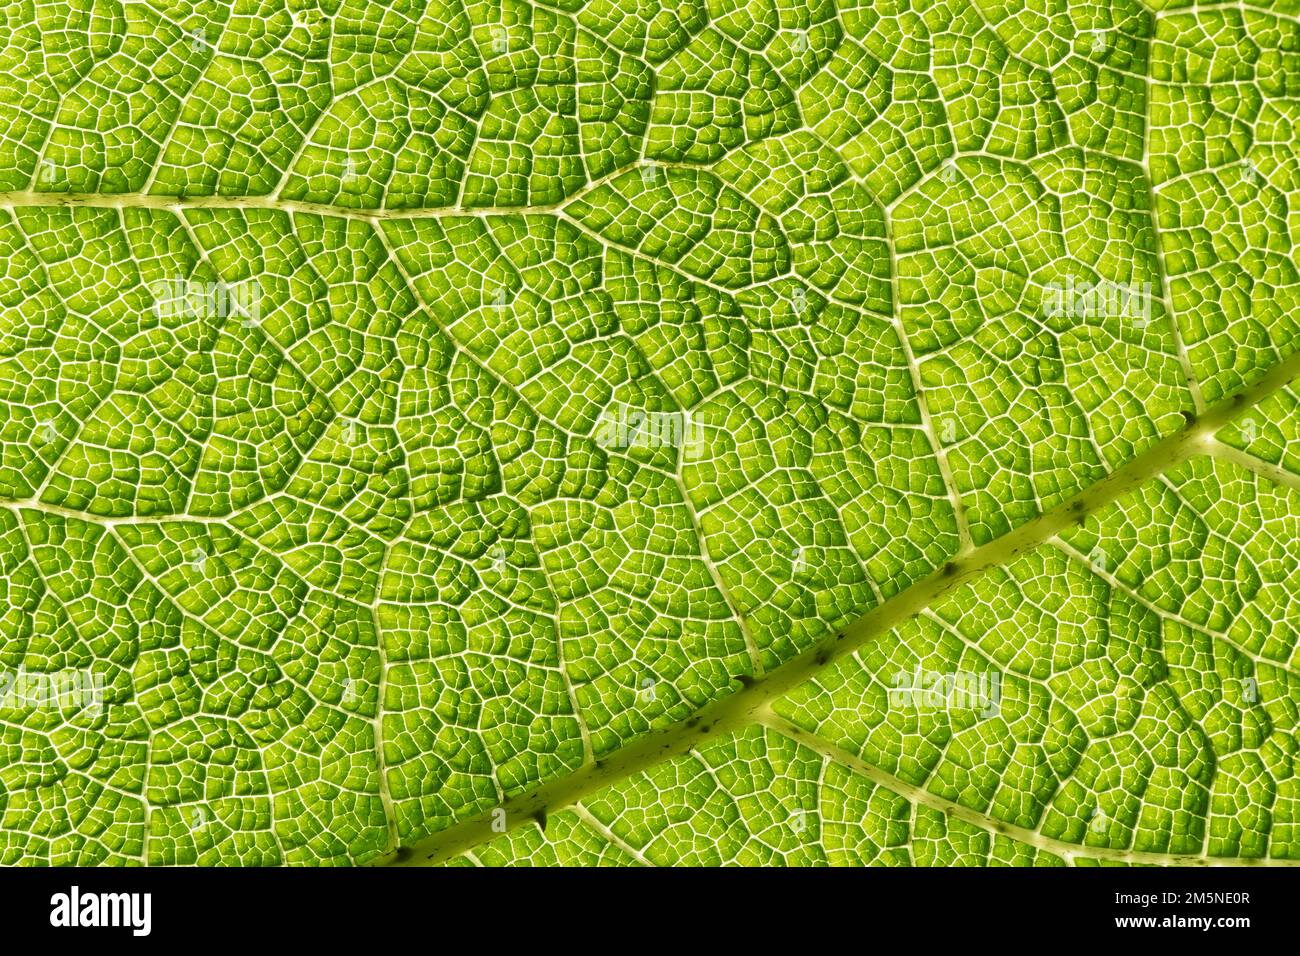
(569, 431)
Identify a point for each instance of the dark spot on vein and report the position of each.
(402, 854)
(822, 656)
(540, 819)
(950, 569)
(745, 679)
(693, 721)
(1188, 417)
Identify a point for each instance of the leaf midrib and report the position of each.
(749, 705)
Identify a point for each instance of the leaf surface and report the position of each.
(614, 433)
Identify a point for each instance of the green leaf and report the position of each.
(604, 433)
